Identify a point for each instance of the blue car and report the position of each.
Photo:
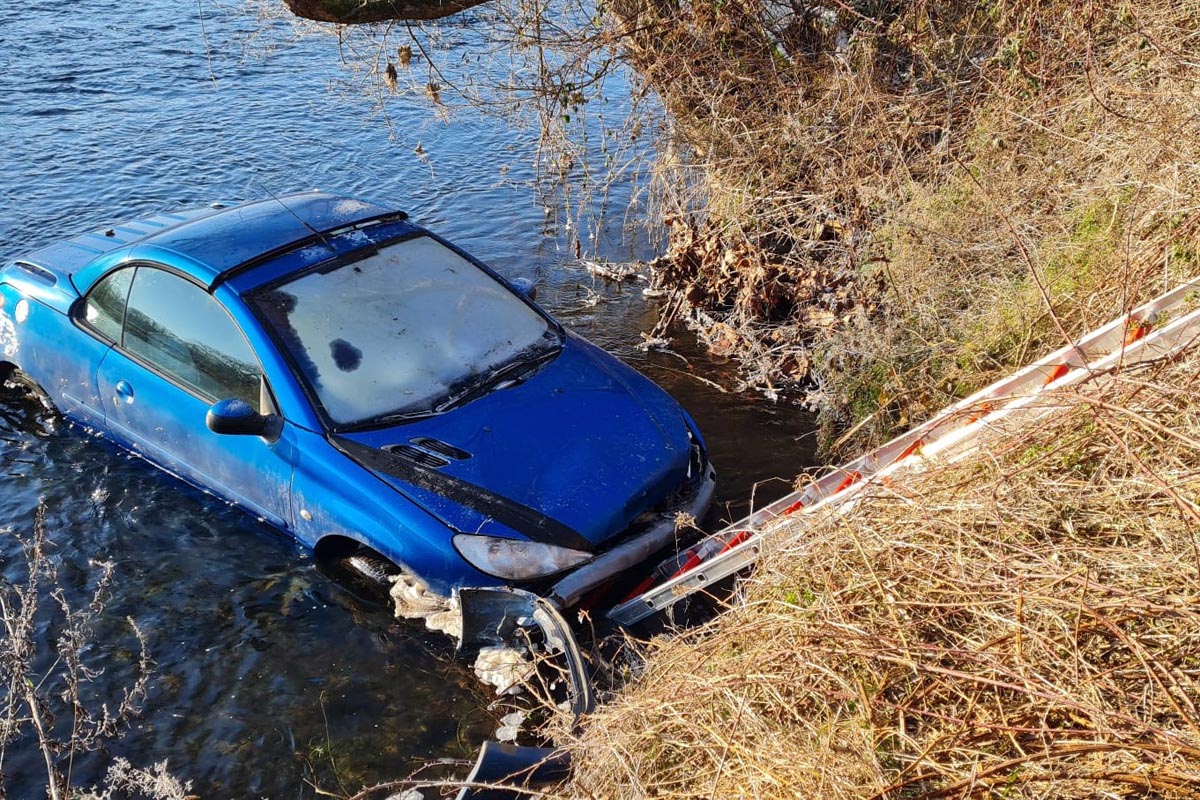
(362, 384)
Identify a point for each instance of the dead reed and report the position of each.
(873, 204)
(1024, 623)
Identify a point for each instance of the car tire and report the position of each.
(371, 566)
(29, 404)
(15, 380)
(364, 573)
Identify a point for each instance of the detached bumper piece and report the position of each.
(505, 771)
(503, 616)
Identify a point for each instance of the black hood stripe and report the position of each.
(521, 518)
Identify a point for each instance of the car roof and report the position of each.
(66, 257)
(207, 244)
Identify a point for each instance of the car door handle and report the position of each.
(124, 391)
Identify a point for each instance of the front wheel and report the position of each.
(371, 566)
(363, 572)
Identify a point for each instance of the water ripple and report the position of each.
(122, 109)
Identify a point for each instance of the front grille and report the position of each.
(697, 461)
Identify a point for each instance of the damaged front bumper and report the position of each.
(507, 617)
(661, 533)
(414, 600)
(504, 618)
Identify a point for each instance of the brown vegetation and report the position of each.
(1025, 623)
(882, 198)
(1021, 624)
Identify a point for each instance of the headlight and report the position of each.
(516, 559)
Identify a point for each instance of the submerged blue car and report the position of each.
(362, 384)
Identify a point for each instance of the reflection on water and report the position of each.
(262, 664)
(268, 674)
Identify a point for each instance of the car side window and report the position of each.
(181, 330)
(104, 308)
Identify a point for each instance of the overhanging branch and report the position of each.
(358, 12)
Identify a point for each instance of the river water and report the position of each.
(269, 678)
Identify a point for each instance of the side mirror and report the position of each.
(238, 418)
(525, 286)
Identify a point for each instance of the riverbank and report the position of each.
(994, 179)
(883, 210)
(1025, 623)
(877, 209)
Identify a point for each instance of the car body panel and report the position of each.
(67, 257)
(576, 452)
(369, 511)
(578, 444)
(45, 343)
(151, 416)
(208, 243)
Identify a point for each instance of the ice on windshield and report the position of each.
(400, 330)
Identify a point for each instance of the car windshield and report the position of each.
(406, 331)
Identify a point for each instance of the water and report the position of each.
(267, 675)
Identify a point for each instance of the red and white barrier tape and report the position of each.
(1162, 327)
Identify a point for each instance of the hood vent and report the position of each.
(417, 456)
(441, 448)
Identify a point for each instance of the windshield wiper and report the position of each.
(390, 419)
(514, 371)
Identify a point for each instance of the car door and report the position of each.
(176, 353)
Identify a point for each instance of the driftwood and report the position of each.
(358, 12)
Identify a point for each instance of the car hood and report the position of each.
(570, 456)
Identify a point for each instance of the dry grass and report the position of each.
(1025, 623)
(875, 199)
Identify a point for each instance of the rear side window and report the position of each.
(182, 331)
(104, 309)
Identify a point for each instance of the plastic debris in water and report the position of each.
(510, 726)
